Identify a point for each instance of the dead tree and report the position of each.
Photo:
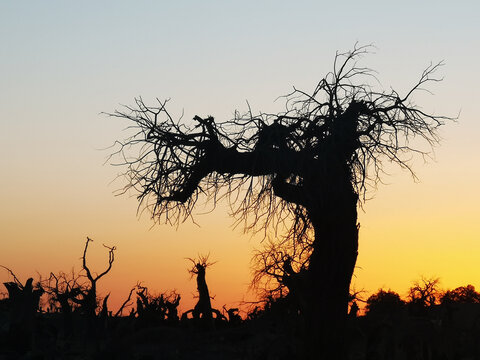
(171, 303)
(306, 168)
(87, 301)
(203, 310)
(423, 294)
(64, 292)
(62, 288)
(157, 309)
(234, 317)
(22, 304)
(127, 301)
(23, 300)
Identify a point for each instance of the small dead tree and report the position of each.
(234, 317)
(87, 302)
(62, 289)
(23, 299)
(280, 270)
(171, 302)
(424, 293)
(156, 309)
(22, 304)
(203, 309)
(127, 301)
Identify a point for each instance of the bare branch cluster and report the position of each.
(74, 291)
(276, 170)
(111, 259)
(200, 264)
(343, 118)
(276, 261)
(64, 290)
(375, 126)
(425, 292)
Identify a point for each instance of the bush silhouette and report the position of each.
(384, 303)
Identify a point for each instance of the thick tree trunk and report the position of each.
(330, 271)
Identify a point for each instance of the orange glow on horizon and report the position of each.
(391, 255)
(63, 65)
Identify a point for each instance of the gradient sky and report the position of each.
(63, 63)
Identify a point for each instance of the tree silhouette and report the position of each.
(22, 305)
(203, 311)
(305, 168)
(463, 294)
(153, 309)
(425, 292)
(88, 302)
(384, 303)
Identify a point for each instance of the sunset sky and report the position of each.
(63, 63)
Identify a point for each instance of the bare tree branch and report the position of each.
(15, 279)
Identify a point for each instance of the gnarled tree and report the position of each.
(306, 167)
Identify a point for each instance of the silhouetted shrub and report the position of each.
(462, 294)
(384, 302)
(153, 309)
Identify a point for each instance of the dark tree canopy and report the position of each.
(462, 294)
(384, 302)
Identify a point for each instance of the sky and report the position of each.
(64, 64)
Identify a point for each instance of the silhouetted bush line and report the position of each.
(74, 321)
(428, 324)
